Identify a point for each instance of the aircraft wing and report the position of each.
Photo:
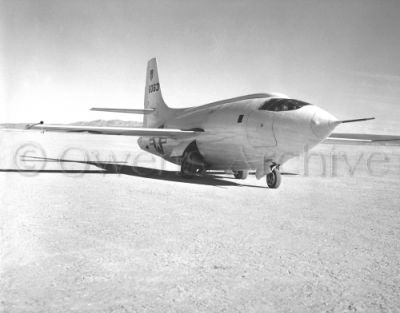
(129, 111)
(350, 138)
(124, 131)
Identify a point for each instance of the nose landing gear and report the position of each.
(274, 178)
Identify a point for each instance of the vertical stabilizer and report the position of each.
(153, 98)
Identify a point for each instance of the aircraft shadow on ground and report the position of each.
(121, 168)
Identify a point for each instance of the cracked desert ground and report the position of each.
(76, 237)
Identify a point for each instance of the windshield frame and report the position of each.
(282, 105)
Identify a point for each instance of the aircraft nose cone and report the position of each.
(323, 123)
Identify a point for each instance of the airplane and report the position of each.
(253, 132)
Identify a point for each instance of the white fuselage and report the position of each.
(239, 136)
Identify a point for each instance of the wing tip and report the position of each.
(29, 126)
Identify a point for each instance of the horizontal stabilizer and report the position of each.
(129, 111)
(124, 131)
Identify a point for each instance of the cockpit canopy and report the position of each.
(282, 104)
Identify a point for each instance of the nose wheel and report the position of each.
(274, 179)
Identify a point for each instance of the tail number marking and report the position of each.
(154, 87)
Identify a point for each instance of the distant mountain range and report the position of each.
(103, 123)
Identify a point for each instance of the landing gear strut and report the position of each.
(240, 174)
(274, 178)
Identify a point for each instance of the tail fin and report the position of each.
(153, 98)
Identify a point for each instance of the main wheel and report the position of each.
(186, 170)
(192, 164)
(240, 174)
(274, 179)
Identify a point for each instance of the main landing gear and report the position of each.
(192, 164)
(240, 174)
(274, 178)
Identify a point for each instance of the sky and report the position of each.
(59, 58)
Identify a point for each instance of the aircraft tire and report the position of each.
(192, 164)
(240, 174)
(186, 170)
(274, 179)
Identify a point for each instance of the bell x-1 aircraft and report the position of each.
(254, 132)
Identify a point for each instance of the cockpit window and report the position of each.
(279, 104)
